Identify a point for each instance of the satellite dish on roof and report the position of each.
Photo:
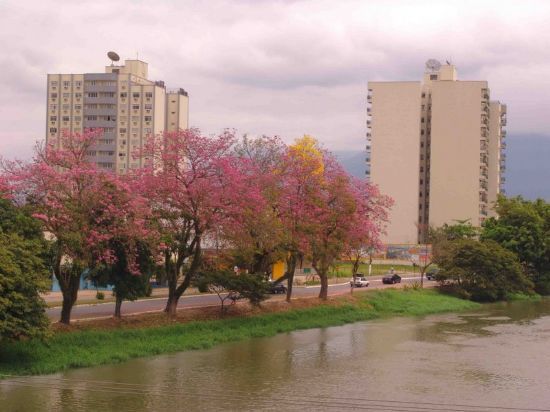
(433, 65)
(113, 56)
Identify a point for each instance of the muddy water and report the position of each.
(496, 359)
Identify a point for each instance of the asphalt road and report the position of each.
(105, 310)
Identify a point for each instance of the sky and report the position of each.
(275, 67)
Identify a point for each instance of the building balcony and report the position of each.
(503, 145)
(100, 88)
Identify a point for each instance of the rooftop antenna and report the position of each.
(114, 57)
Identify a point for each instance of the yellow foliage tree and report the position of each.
(307, 149)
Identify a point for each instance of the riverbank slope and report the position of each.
(97, 344)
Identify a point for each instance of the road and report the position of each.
(105, 310)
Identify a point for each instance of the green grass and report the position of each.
(95, 347)
(343, 269)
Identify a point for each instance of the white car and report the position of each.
(360, 281)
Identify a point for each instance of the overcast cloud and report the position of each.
(275, 67)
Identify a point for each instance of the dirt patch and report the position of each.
(185, 315)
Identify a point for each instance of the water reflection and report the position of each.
(497, 356)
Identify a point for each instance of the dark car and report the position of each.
(277, 288)
(391, 279)
(432, 273)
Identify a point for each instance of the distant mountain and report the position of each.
(527, 165)
(353, 161)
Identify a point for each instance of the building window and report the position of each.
(53, 107)
(123, 95)
(91, 117)
(78, 84)
(147, 118)
(423, 94)
(122, 130)
(77, 118)
(54, 96)
(149, 95)
(53, 118)
(78, 95)
(53, 129)
(135, 95)
(66, 107)
(135, 106)
(148, 106)
(92, 94)
(66, 118)
(53, 83)
(433, 76)
(422, 120)
(66, 84)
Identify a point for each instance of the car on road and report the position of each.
(276, 288)
(360, 281)
(431, 273)
(391, 278)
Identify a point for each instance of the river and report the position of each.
(494, 359)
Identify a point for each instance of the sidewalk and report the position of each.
(90, 295)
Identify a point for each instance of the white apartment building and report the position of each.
(436, 147)
(122, 102)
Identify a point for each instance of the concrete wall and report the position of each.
(455, 151)
(495, 129)
(395, 150)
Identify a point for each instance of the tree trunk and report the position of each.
(70, 293)
(291, 268)
(118, 306)
(323, 293)
(172, 306)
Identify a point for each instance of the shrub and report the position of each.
(481, 271)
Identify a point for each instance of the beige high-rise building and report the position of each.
(122, 102)
(435, 147)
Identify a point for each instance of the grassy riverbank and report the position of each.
(91, 347)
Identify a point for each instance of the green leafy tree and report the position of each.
(128, 284)
(230, 286)
(23, 276)
(481, 271)
(523, 227)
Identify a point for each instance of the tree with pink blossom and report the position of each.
(81, 207)
(196, 188)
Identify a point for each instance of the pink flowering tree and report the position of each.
(196, 188)
(257, 235)
(344, 213)
(370, 218)
(81, 208)
(300, 175)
